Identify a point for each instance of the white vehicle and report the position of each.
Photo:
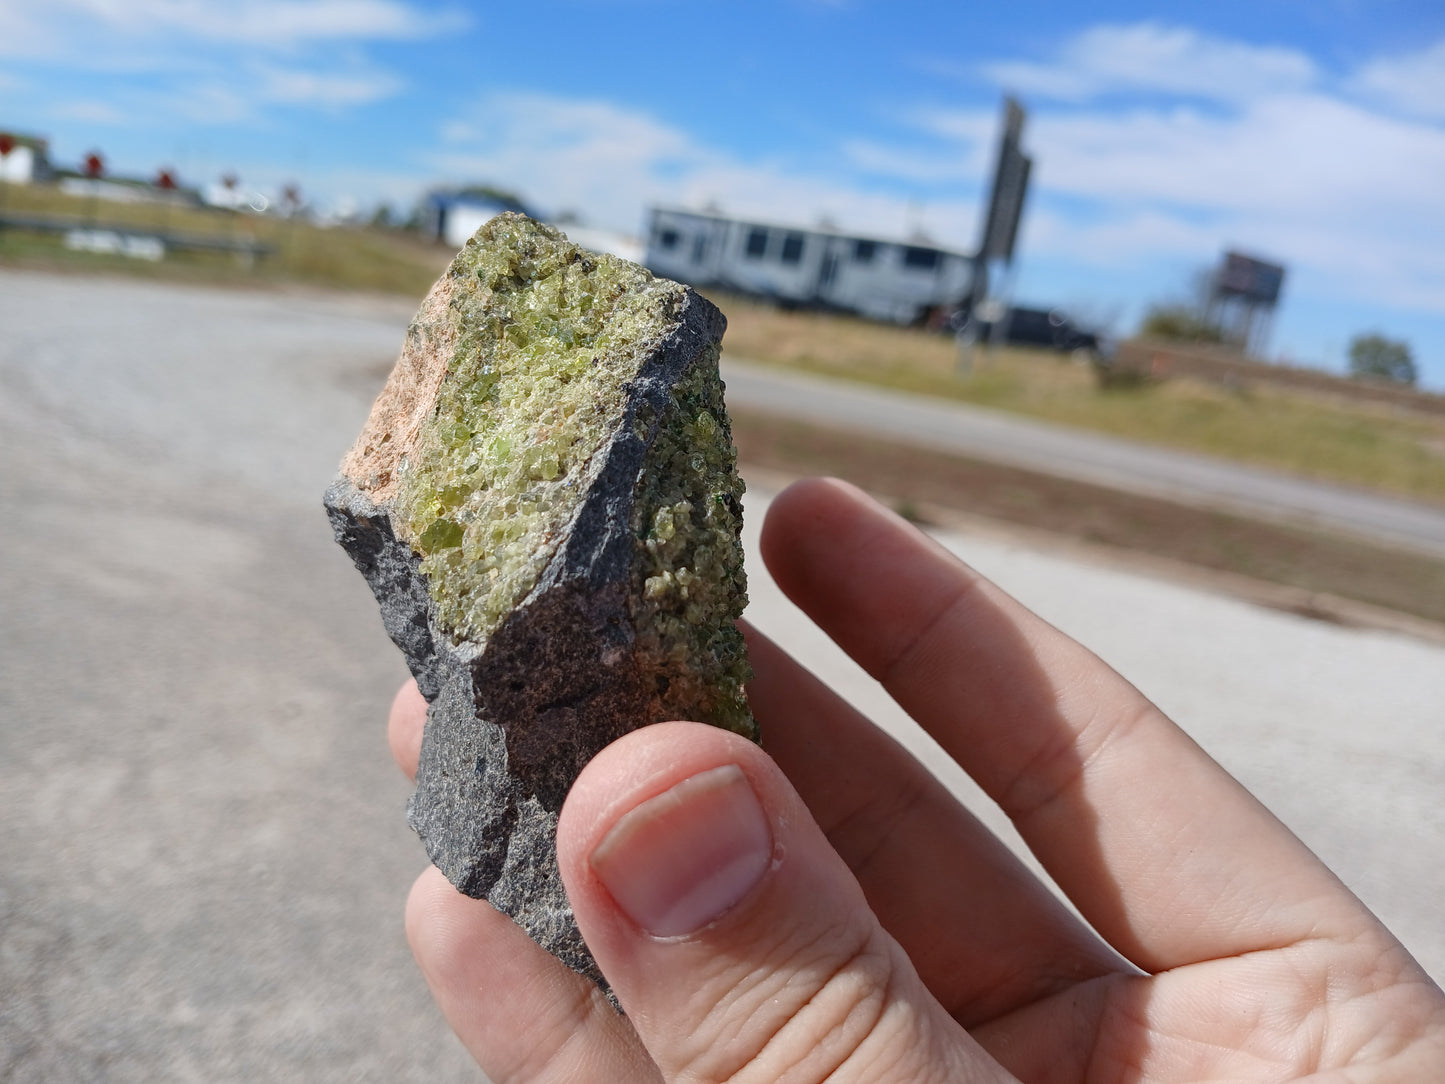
(898, 281)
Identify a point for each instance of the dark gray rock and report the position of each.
(514, 717)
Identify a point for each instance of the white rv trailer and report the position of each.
(898, 281)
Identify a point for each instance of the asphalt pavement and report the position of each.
(203, 855)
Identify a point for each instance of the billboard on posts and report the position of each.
(1248, 278)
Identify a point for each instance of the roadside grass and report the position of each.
(1309, 434)
(341, 257)
(1312, 562)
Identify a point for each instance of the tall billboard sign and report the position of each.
(1242, 299)
(1010, 186)
(1248, 278)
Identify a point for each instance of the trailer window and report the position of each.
(792, 248)
(667, 238)
(757, 243)
(699, 248)
(864, 251)
(924, 259)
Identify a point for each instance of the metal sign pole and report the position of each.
(1000, 234)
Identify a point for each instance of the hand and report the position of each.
(831, 912)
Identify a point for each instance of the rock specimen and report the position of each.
(545, 503)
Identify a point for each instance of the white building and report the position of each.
(453, 215)
(617, 244)
(899, 281)
(27, 160)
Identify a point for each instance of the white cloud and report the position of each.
(219, 63)
(928, 166)
(23, 33)
(590, 155)
(35, 27)
(773, 193)
(1293, 155)
(1122, 238)
(1154, 57)
(1413, 83)
(218, 95)
(612, 163)
(296, 87)
(91, 112)
(963, 158)
(1315, 181)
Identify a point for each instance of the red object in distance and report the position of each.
(165, 179)
(94, 164)
(7, 144)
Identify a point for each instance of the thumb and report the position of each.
(737, 940)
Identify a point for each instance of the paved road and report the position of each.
(202, 849)
(1088, 457)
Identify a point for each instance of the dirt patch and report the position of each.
(1312, 565)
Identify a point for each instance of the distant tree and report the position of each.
(1182, 322)
(416, 219)
(1373, 355)
(385, 217)
(1185, 317)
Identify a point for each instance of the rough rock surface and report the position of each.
(545, 504)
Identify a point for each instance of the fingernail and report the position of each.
(682, 859)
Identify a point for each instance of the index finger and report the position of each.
(404, 725)
(1165, 853)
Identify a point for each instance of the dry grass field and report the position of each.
(341, 257)
(1313, 435)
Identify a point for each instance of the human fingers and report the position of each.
(1169, 858)
(984, 933)
(736, 939)
(404, 726)
(524, 1016)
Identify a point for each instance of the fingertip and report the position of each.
(404, 727)
(816, 512)
(819, 487)
(444, 927)
(805, 499)
(423, 903)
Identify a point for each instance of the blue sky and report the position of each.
(1308, 132)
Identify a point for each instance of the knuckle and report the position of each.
(831, 1011)
(1060, 764)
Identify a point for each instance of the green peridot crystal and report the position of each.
(548, 341)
